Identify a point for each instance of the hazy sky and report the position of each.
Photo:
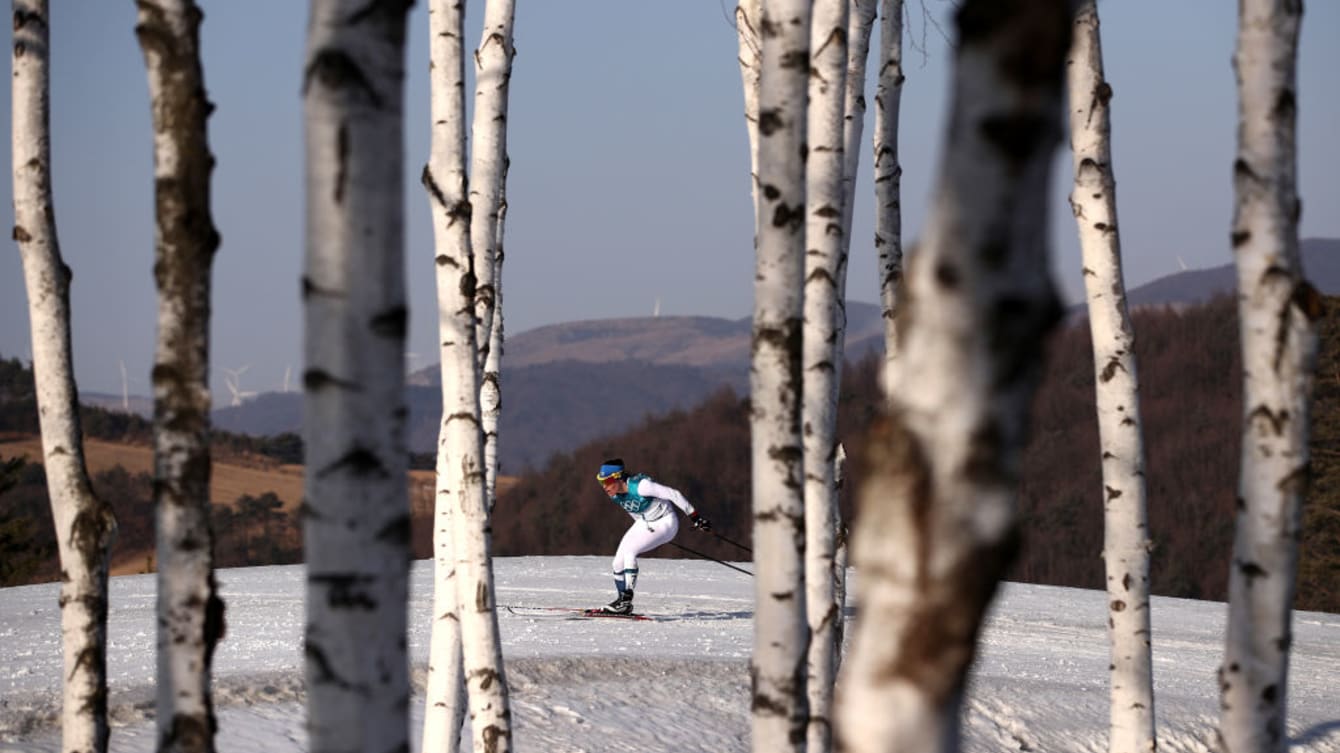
(629, 182)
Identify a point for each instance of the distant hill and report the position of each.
(138, 405)
(1321, 264)
(564, 384)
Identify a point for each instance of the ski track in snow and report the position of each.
(680, 683)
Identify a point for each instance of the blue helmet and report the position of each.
(611, 469)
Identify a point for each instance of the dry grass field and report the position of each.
(230, 478)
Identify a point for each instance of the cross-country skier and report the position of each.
(654, 523)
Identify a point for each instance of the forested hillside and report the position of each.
(1191, 384)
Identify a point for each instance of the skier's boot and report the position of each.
(621, 605)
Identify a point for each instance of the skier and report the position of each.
(654, 523)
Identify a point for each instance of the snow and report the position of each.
(680, 683)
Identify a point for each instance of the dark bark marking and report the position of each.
(395, 532)
(770, 122)
(494, 735)
(391, 323)
(1110, 370)
(1251, 571)
(190, 733)
(1035, 37)
(1016, 136)
(337, 71)
(348, 591)
(359, 462)
(947, 275)
(341, 160)
(790, 218)
(319, 379)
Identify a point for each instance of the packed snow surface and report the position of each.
(677, 683)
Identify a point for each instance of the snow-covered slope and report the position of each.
(679, 683)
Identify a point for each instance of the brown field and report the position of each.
(230, 479)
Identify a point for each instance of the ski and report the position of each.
(571, 613)
(613, 615)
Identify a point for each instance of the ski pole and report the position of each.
(713, 559)
(732, 543)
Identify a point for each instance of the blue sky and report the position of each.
(629, 182)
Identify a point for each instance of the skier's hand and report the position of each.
(699, 522)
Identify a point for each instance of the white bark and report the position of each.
(889, 174)
(825, 255)
(1126, 542)
(488, 155)
(356, 522)
(780, 627)
(490, 393)
(85, 525)
(190, 612)
(937, 524)
(486, 680)
(1277, 311)
(446, 182)
(748, 16)
(860, 24)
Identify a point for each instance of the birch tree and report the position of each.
(465, 642)
(488, 153)
(937, 525)
(190, 612)
(490, 393)
(486, 681)
(748, 17)
(1277, 312)
(356, 522)
(824, 313)
(780, 627)
(1126, 542)
(445, 179)
(889, 173)
(860, 23)
(85, 525)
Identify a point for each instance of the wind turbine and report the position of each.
(234, 385)
(287, 371)
(125, 387)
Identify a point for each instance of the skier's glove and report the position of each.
(699, 522)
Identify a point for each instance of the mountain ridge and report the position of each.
(567, 383)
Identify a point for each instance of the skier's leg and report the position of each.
(625, 559)
(644, 537)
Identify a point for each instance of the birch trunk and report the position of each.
(825, 257)
(485, 678)
(446, 183)
(860, 24)
(889, 175)
(85, 525)
(190, 612)
(356, 522)
(937, 525)
(1117, 390)
(490, 394)
(748, 16)
(488, 153)
(1277, 311)
(780, 626)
